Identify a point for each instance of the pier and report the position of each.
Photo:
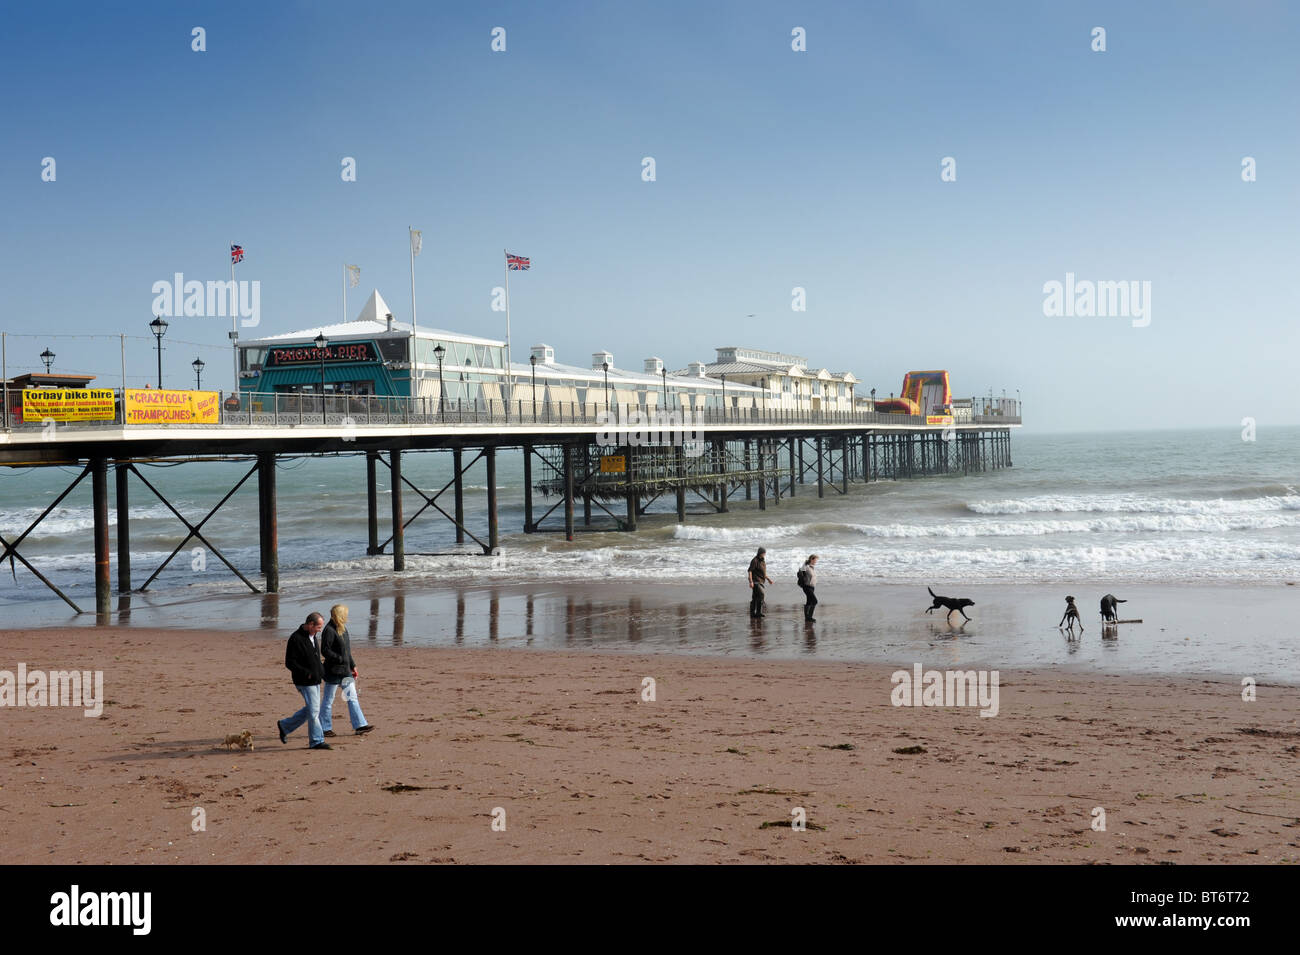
(578, 473)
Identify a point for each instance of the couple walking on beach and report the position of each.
(321, 653)
(758, 581)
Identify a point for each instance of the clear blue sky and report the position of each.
(775, 169)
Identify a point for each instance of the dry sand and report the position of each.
(586, 771)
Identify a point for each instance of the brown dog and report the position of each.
(243, 740)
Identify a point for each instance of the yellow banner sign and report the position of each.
(68, 404)
(613, 464)
(147, 406)
(941, 419)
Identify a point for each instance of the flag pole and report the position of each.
(510, 391)
(345, 292)
(234, 328)
(415, 341)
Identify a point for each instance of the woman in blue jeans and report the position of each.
(340, 671)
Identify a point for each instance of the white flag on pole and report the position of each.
(416, 240)
(354, 275)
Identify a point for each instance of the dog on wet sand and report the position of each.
(1110, 608)
(951, 603)
(1071, 614)
(243, 740)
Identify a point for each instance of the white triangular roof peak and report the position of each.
(375, 309)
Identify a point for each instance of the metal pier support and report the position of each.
(679, 453)
(372, 503)
(399, 531)
(99, 493)
(792, 467)
(267, 522)
(568, 492)
(724, 492)
(528, 488)
(494, 530)
(122, 472)
(749, 494)
(762, 474)
(821, 488)
(631, 490)
(457, 467)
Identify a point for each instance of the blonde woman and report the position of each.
(340, 671)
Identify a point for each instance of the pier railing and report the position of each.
(274, 410)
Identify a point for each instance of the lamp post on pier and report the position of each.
(321, 344)
(47, 356)
(605, 367)
(439, 352)
(532, 360)
(159, 328)
(197, 364)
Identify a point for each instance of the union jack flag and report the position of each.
(236, 254)
(516, 263)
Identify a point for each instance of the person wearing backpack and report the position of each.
(807, 580)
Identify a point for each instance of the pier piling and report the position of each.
(267, 522)
(122, 472)
(399, 531)
(99, 492)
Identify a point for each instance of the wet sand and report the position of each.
(1187, 629)
(586, 771)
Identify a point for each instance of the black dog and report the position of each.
(952, 603)
(1071, 614)
(1109, 610)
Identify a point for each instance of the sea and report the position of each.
(1138, 510)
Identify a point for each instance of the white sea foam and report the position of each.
(1135, 504)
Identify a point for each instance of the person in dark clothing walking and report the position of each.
(302, 658)
(340, 672)
(807, 582)
(758, 581)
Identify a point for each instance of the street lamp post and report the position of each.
(321, 344)
(197, 364)
(663, 373)
(159, 328)
(47, 356)
(724, 396)
(605, 367)
(532, 360)
(439, 352)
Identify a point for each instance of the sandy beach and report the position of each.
(587, 771)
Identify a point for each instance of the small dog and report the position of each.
(1109, 610)
(952, 603)
(243, 740)
(1071, 614)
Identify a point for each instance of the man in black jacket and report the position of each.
(302, 657)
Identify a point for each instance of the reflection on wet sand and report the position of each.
(876, 624)
(271, 611)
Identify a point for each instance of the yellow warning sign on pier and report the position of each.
(613, 464)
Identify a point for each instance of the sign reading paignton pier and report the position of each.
(68, 404)
(148, 406)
